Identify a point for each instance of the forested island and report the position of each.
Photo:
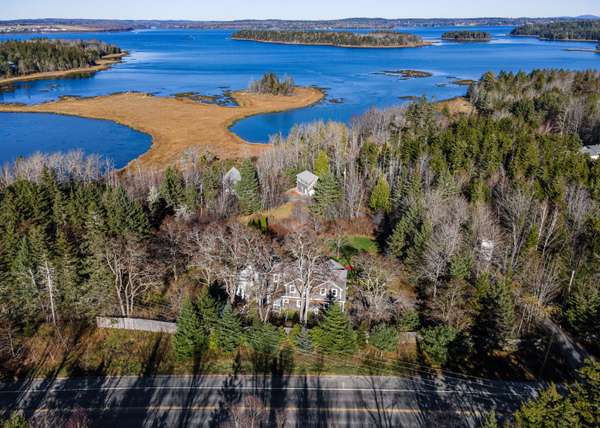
(23, 58)
(571, 30)
(375, 39)
(467, 36)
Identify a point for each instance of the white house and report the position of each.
(592, 151)
(306, 182)
(230, 179)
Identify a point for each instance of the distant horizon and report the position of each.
(54, 18)
(307, 10)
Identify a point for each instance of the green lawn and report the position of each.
(361, 243)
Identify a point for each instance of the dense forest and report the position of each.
(271, 84)
(19, 58)
(573, 30)
(373, 39)
(490, 220)
(467, 36)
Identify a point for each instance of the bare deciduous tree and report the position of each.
(307, 267)
(374, 303)
(134, 271)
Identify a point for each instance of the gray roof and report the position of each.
(307, 177)
(339, 271)
(232, 175)
(591, 150)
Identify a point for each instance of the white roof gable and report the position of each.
(232, 175)
(307, 177)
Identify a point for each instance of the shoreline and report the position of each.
(421, 45)
(177, 125)
(104, 63)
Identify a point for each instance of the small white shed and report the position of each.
(230, 179)
(306, 182)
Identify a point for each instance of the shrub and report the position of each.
(384, 338)
(435, 342)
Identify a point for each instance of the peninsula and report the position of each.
(467, 36)
(176, 124)
(375, 39)
(48, 59)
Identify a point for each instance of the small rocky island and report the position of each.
(467, 36)
(407, 74)
(375, 39)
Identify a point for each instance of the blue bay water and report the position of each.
(23, 134)
(166, 62)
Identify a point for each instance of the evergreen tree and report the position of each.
(228, 333)
(335, 335)
(172, 189)
(74, 295)
(380, 196)
(322, 164)
(206, 308)
(327, 196)
(124, 216)
(495, 317)
(189, 339)
(247, 189)
(550, 409)
(490, 420)
(401, 237)
(303, 340)
(435, 343)
(384, 338)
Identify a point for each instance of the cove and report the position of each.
(207, 62)
(23, 134)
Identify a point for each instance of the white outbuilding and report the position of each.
(306, 182)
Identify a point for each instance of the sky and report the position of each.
(291, 9)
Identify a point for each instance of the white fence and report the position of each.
(136, 324)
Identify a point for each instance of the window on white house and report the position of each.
(334, 292)
(298, 304)
(323, 292)
(286, 302)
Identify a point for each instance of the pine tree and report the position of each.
(495, 318)
(247, 189)
(327, 196)
(189, 339)
(206, 309)
(380, 196)
(401, 238)
(322, 164)
(303, 340)
(335, 335)
(124, 216)
(435, 343)
(384, 338)
(74, 295)
(172, 188)
(550, 409)
(229, 331)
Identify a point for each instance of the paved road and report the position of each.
(332, 401)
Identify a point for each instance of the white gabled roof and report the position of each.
(307, 177)
(232, 175)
